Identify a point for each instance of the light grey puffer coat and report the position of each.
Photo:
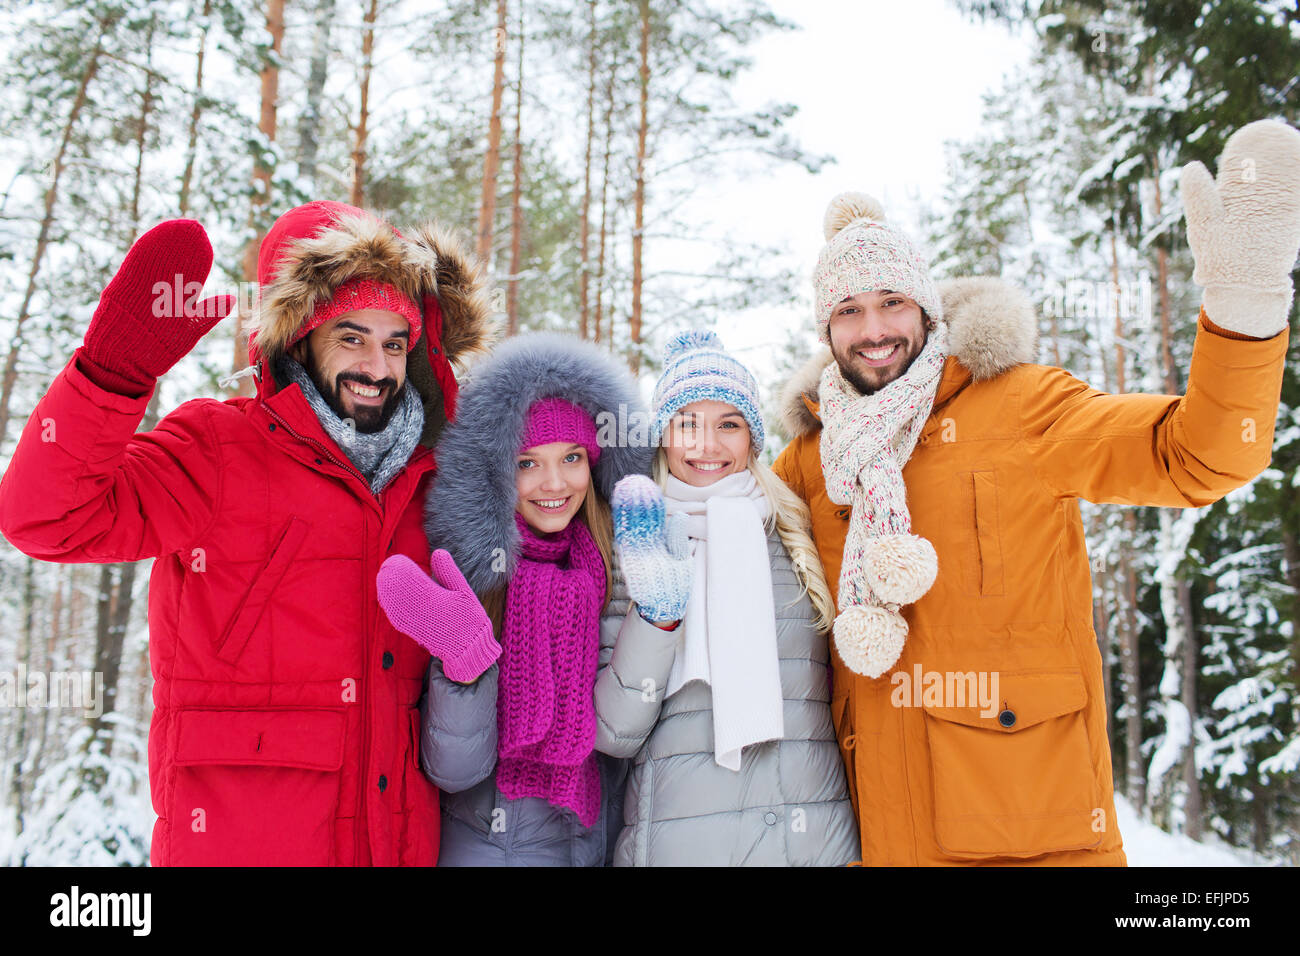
(788, 805)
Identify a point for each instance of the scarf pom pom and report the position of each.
(901, 568)
(869, 639)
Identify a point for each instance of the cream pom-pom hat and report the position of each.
(863, 253)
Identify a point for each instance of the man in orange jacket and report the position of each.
(943, 472)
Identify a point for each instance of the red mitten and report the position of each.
(149, 317)
(441, 614)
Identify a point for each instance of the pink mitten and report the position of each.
(441, 614)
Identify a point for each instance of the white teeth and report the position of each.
(876, 355)
(365, 391)
(554, 504)
(712, 466)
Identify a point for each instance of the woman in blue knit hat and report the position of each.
(718, 681)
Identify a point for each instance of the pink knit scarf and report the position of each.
(550, 643)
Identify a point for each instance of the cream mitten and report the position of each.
(1244, 228)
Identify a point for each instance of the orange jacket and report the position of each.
(993, 484)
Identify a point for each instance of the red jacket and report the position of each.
(285, 724)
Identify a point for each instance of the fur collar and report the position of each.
(992, 328)
(470, 508)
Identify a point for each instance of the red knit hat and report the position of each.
(555, 419)
(357, 294)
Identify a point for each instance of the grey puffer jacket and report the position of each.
(788, 805)
(480, 825)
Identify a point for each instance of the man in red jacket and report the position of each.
(285, 725)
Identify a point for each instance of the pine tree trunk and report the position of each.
(492, 161)
(109, 574)
(270, 80)
(638, 276)
(1134, 775)
(47, 223)
(54, 639)
(516, 205)
(584, 275)
(604, 202)
(1175, 593)
(142, 132)
(358, 196)
(1193, 807)
(309, 122)
(196, 112)
(18, 781)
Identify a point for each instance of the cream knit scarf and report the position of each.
(728, 636)
(866, 440)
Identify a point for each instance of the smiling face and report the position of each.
(875, 337)
(706, 441)
(552, 482)
(358, 364)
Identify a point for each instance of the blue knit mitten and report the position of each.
(655, 555)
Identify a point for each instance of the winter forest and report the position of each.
(573, 142)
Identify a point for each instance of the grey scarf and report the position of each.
(380, 455)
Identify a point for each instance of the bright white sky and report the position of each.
(880, 86)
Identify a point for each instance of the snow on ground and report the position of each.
(1145, 844)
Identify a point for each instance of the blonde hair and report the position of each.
(792, 521)
(595, 514)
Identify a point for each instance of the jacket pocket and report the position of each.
(987, 537)
(241, 625)
(256, 788)
(1019, 782)
(842, 721)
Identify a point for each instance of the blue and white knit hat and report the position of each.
(696, 369)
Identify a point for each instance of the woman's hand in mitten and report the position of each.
(1244, 228)
(441, 614)
(655, 556)
(149, 317)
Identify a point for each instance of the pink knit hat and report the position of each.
(357, 294)
(555, 419)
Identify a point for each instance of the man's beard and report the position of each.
(867, 379)
(367, 420)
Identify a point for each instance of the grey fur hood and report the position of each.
(992, 327)
(471, 505)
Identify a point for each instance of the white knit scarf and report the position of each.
(865, 442)
(728, 635)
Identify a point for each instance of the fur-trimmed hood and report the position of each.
(312, 250)
(992, 327)
(471, 506)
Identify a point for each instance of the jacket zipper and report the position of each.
(364, 769)
(366, 648)
(365, 730)
(346, 466)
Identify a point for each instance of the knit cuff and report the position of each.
(472, 659)
(109, 379)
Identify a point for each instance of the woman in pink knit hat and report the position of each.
(519, 519)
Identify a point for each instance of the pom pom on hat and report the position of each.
(690, 340)
(847, 207)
